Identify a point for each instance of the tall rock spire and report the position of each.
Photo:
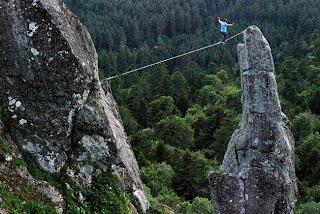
(257, 175)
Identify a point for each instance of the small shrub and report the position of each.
(19, 162)
(4, 146)
(201, 206)
(21, 205)
(106, 196)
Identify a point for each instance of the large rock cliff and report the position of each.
(49, 82)
(257, 175)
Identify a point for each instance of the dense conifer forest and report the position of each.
(180, 115)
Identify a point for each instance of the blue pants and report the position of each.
(224, 36)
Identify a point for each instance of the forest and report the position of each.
(180, 115)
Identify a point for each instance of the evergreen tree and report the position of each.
(179, 90)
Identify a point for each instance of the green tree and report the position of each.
(316, 44)
(195, 78)
(304, 124)
(208, 95)
(160, 109)
(201, 206)
(223, 75)
(174, 130)
(315, 102)
(213, 68)
(222, 135)
(309, 208)
(191, 175)
(232, 96)
(204, 121)
(179, 90)
(159, 81)
(308, 151)
(125, 58)
(130, 124)
(157, 177)
(138, 101)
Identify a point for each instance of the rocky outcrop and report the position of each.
(49, 82)
(257, 175)
(17, 178)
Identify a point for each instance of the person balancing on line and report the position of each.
(224, 26)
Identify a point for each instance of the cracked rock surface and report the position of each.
(50, 84)
(257, 175)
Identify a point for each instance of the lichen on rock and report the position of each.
(49, 80)
(93, 148)
(49, 157)
(257, 174)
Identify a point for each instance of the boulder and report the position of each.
(50, 85)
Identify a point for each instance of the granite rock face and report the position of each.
(18, 178)
(50, 84)
(257, 175)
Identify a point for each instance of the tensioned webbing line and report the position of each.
(171, 58)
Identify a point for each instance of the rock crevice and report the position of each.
(50, 84)
(257, 174)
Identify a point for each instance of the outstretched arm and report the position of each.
(231, 25)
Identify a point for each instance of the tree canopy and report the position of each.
(180, 115)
